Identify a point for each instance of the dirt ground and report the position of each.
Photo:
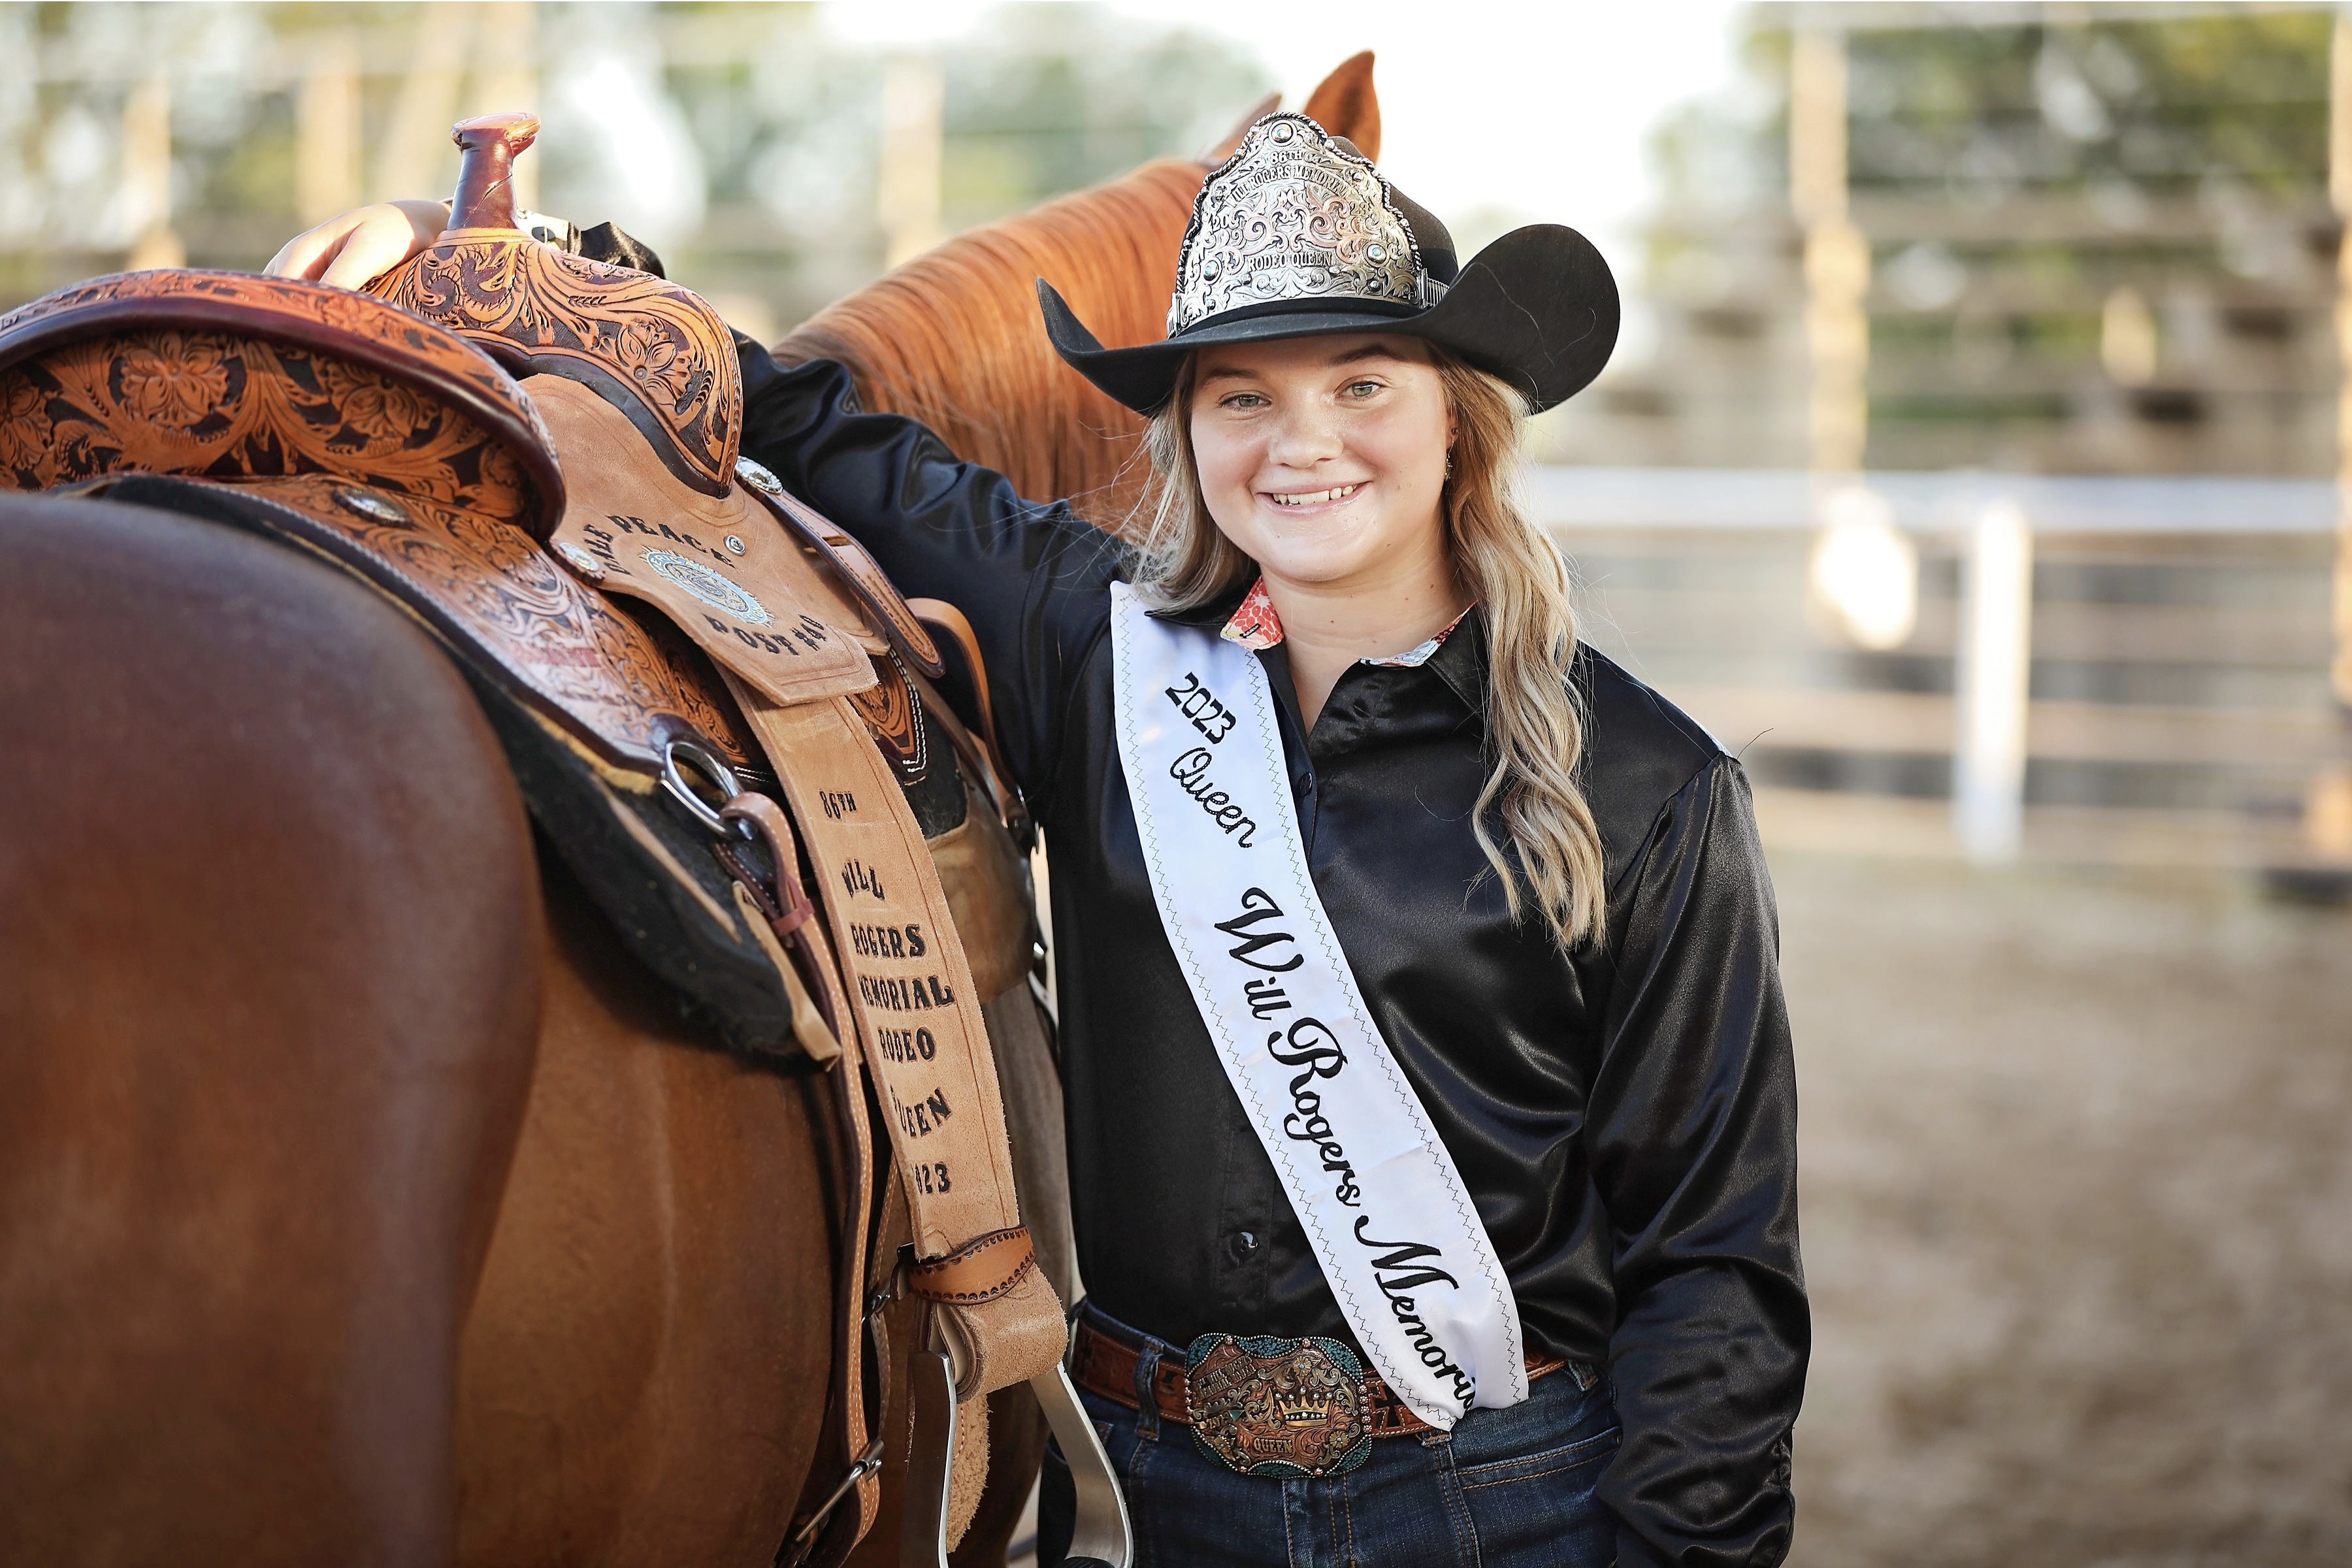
(2077, 1209)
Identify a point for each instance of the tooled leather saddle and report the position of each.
(408, 453)
(537, 453)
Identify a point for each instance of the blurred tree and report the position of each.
(2099, 243)
(1062, 97)
(743, 138)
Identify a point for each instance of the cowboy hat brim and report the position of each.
(1538, 308)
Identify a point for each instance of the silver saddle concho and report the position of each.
(1288, 1408)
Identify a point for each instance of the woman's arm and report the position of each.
(1694, 1140)
(1030, 577)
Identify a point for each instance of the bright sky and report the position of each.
(1540, 109)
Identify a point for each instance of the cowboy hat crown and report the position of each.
(1298, 235)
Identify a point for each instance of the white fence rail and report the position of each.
(1573, 498)
(1896, 616)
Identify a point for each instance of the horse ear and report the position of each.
(1345, 105)
(1225, 149)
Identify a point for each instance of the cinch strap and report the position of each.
(1401, 1244)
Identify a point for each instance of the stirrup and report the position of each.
(1102, 1537)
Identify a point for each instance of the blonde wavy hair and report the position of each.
(1509, 567)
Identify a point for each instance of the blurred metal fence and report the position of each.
(2088, 669)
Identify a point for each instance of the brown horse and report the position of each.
(360, 1198)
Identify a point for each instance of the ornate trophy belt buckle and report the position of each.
(1278, 1407)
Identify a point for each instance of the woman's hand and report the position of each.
(356, 248)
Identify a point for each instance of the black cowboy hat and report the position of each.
(1536, 307)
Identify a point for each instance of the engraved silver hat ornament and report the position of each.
(1295, 214)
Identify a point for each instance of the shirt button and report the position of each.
(1245, 1243)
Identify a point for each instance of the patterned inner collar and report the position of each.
(1255, 626)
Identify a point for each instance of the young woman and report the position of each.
(1432, 1116)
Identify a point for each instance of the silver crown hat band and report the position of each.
(1292, 215)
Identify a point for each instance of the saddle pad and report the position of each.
(718, 566)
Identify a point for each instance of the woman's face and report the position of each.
(1322, 458)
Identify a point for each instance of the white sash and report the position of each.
(1398, 1239)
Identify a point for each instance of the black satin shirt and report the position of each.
(1624, 1118)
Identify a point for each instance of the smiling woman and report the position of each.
(1526, 914)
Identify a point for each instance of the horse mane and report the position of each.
(954, 337)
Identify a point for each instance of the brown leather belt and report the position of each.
(1104, 1362)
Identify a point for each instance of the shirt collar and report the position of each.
(1255, 626)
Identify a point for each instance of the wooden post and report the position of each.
(147, 175)
(415, 158)
(1837, 256)
(2327, 809)
(327, 139)
(908, 199)
(1994, 678)
(1863, 577)
(2339, 190)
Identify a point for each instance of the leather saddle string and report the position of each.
(789, 911)
(917, 1017)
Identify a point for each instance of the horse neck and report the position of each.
(953, 337)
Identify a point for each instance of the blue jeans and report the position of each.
(1505, 1488)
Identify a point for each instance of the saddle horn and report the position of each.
(657, 353)
(487, 146)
